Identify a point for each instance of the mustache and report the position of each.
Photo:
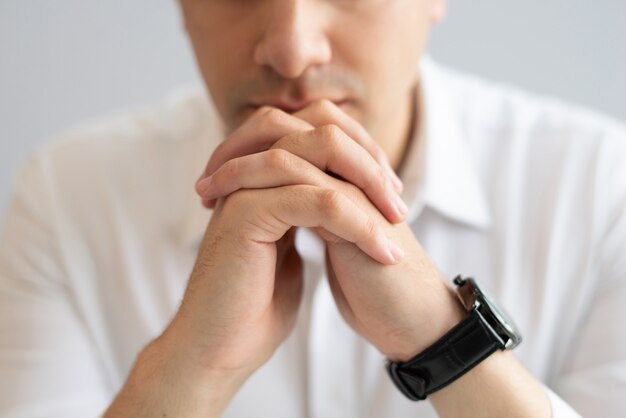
(312, 84)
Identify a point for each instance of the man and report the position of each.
(312, 272)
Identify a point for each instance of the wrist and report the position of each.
(499, 386)
(446, 312)
(183, 360)
(163, 383)
(485, 330)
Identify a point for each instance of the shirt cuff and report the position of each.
(560, 408)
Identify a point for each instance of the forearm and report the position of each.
(163, 384)
(499, 386)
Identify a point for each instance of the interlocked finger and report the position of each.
(279, 209)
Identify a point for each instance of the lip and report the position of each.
(293, 107)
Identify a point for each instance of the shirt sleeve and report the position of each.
(48, 364)
(593, 379)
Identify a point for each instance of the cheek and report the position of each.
(223, 53)
(383, 47)
(217, 55)
(399, 37)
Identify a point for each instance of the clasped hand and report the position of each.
(317, 168)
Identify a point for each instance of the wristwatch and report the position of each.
(486, 329)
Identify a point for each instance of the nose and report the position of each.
(294, 39)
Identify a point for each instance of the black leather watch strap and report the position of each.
(453, 355)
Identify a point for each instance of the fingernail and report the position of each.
(204, 185)
(401, 206)
(396, 252)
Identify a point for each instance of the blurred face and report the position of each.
(361, 54)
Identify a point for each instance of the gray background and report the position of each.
(65, 61)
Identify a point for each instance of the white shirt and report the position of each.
(525, 193)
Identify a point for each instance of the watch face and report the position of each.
(501, 322)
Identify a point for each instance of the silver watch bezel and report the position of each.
(475, 297)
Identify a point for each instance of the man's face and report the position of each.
(360, 54)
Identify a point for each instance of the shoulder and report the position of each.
(135, 162)
(181, 117)
(557, 164)
(133, 142)
(500, 111)
(512, 131)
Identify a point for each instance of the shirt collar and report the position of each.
(439, 171)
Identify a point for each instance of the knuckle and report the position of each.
(325, 106)
(378, 180)
(329, 202)
(273, 116)
(231, 168)
(262, 111)
(280, 160)
(261, 115)
(371, 229)
(331, 134)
